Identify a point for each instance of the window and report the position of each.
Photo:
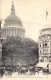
(47, 65)
(46, 44)
(43, 44)
(41, 60)
(40, 51)
(45, 50)
(40, 45)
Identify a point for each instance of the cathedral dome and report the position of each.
(13, 25)
(12, 19)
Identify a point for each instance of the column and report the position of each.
(7, 33)
(15, 32)
(11, 32)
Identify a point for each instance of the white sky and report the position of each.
(31, 12)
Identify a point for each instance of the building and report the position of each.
(13, 25)
(45, 45)
(45, 48)
(1, 41)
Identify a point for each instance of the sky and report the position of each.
(31, 12)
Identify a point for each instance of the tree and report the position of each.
(24, 51)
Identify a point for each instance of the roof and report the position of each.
(12, 19)
(45, 35)
(45, 29)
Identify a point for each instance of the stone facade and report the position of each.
(45, 45)
(12, 31)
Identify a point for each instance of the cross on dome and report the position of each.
(12, 3)
(12, 9)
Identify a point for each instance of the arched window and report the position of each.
(43, 44)
(40, 45)
(41, 60)
(47, 65)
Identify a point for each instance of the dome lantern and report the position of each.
(12, 9)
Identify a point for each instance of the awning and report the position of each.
(42, 64)
(31, 67)
(23, 68)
